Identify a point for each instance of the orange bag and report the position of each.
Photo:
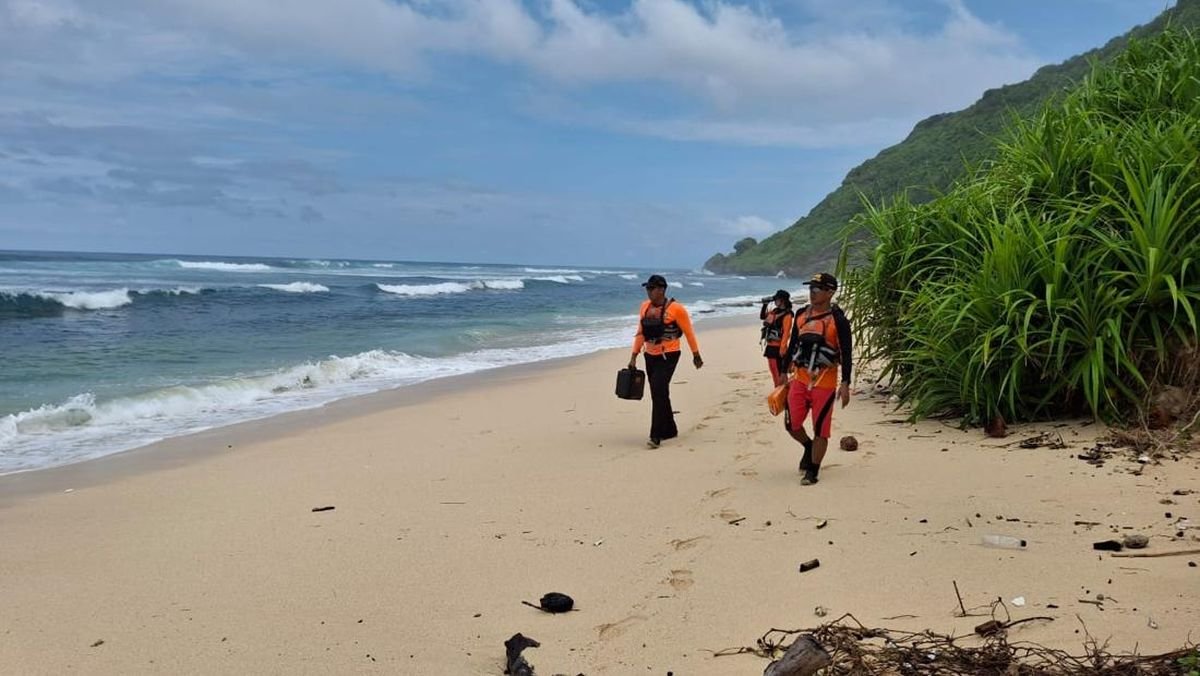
(777, 399)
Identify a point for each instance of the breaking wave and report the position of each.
(297, 287)
(452, 287)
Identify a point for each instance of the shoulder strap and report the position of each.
(662, 315)
(823, 315)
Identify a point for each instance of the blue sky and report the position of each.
(643, 132)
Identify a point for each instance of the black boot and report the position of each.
(810, 475)
(806, 459)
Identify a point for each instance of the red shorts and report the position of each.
(819, 400)
(777, 375)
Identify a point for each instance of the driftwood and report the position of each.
(514, 663)
(858, 650)
(1149, 555)
(993, 627)
(803, 658)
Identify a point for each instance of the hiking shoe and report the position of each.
(653, 443)
(809, 479)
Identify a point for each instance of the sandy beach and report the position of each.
(456, 501)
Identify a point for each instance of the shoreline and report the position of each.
(179, 450)
(450, 510)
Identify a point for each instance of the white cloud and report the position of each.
(748, 226)
(767, 133)
(730, 56)
(746, 76)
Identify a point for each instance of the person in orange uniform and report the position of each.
(821, 348)
(662, 322)
(777, 333)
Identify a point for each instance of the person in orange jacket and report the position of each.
(662, 322)
(777, 333)
(821, 349)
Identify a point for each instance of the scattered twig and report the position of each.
(1149, 555)
(857, 649)
(960, 601)
(1045, 439)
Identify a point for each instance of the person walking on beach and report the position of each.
(662, 321)
(777, 333)
(821, 348)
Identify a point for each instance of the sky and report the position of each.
(642, 132)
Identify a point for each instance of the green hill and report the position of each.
(936, 153)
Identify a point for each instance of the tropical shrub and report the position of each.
(1060, 278)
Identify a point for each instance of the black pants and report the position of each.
(659, 369)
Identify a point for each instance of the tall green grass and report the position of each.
(1062, 278)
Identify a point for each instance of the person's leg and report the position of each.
(654, 364)
(822, 408)
(776, 376)
(662, 420)
(797, 410)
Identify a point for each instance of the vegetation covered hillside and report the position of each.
(937, 152)
(1062, 278)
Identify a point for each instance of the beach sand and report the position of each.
(457, 501)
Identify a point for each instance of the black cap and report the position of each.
(655, 280)
(782, 294)
(823, 280)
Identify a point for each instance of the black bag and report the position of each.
(631, 383)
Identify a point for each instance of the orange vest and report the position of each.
(676, 320)
(777, 332)
(822, 324)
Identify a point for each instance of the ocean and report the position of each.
(101, 353)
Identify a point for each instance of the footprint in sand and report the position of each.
(680, 579)
(748, 472)
(744, 455)
(611, 630)
(728, 514)
(719, 492)
(680, 545)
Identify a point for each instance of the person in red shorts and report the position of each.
(777, 333)
(821, 349)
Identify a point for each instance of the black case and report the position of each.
(631, 383)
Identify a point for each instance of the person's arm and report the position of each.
(845, 342)
(785, 339)
(762, 314)
(638, 339)
(681, 317)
